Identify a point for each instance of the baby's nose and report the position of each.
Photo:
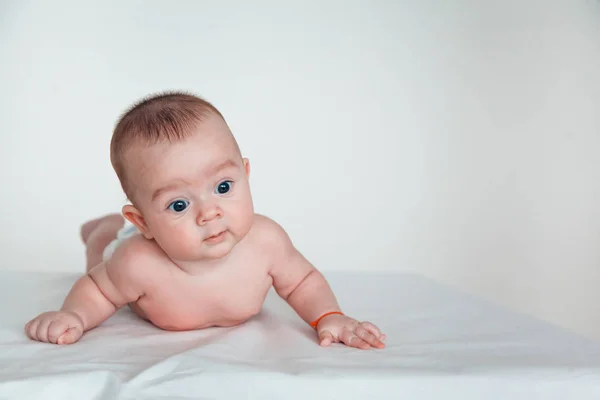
(209, 212)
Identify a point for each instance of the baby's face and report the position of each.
(193, 195)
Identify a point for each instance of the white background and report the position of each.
(455, 139)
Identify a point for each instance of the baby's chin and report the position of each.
(212, 252)
(208, 250)
(216, 253)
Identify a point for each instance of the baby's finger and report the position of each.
(325, 338)
(368, 337)
(55, 330)
(70, 336)
(31, 328)
(350, 339)
(27, 325)
(42, 329)
(371, 328)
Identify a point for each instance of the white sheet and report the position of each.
(441, 344)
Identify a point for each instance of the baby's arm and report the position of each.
(305, 289)
(92, 299)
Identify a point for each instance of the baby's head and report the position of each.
(182, 170)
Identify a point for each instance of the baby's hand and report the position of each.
(340, 328)
(59, 327)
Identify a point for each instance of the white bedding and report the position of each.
(441, 345)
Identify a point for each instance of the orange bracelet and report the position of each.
(316, 321)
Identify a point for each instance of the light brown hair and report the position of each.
(167, 116)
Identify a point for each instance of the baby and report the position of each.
(195, 255)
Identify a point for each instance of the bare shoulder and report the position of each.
(268, 232)
(136, 261)
(129, 274)
(272, 240)
(287, 265)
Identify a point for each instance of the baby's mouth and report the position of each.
(216, 237)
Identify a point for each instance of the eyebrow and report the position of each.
(224, 165)
(167, 188)
(180, 182)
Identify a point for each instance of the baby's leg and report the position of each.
(97, 234)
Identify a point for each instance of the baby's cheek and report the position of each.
(178, 243)
(186, 241)
(241, 218)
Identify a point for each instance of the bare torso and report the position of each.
(223, 294)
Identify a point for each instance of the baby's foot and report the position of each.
(89, 227)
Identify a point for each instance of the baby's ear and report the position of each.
(247, 166)
(134, 216)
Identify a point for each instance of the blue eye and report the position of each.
(178, 205)
(224, 187)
